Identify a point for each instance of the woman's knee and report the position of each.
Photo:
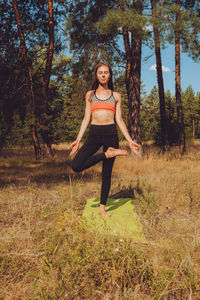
(75, 166)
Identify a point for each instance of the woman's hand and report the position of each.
(134, 147)
(74, 147)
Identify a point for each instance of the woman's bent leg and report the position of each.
(85, 157)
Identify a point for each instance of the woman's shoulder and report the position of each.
(89, 95)
(117, 96)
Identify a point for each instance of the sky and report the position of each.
(190, 71)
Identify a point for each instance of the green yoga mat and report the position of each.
(123, 222)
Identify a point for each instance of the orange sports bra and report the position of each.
(105, 104)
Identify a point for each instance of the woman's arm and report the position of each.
(122, 126)
(87, 116)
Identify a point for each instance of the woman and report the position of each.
(103, 107)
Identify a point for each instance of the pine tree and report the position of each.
(163, 124)
(172, 125)
(29, 79)
(182, 23)
(45, 83)
(114, 19)
(197, 116)
(191, 115)
(35, 29)
(179, 106)
(67, 108)
(150, 116)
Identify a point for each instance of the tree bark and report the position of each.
(31, 105)
(179, 106)
(45, 84)
(133, 76)
(196, 127)
(164, 134)
(193, 128)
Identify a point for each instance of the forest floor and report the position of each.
(47, 251)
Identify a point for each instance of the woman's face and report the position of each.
(103, 74)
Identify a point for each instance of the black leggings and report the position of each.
(99, 135)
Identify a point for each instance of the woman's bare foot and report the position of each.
(103, 212)
(112, 152)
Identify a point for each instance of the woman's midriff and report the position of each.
(102, 117)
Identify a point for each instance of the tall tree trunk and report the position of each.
(134, 90)
(196, 127)
(193, 128)
(164, 134)
(31, 105)
(179, 106)
(133, 76)
(45, 83)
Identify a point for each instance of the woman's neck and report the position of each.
(103, 88)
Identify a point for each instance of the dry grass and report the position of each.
(48, 253)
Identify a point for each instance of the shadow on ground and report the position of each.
(111, 205)
(121, 197)
(19, 170)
